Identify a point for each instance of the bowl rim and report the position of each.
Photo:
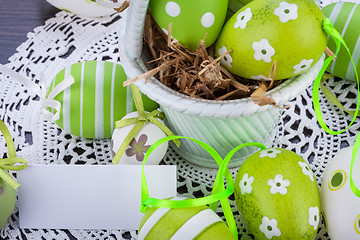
(169, 98)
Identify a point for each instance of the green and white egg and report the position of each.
(91, 105)
(263, 32)
(191, 20)
(199, 223)
(7, 201)
(345, 16)
(277, 195)
(340, 206)
(136, 150)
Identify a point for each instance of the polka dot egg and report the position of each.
(191, 20)
(345, 17)
(7, 201)
(97, 98)
(267, 31)
(277, 195)
(340, 206)
(199, 223)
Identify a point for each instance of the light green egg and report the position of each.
(91, 106)
(233, 7)
(277, 195)
(265, 31)
(191, 20)
(200, 223)
(7, 201)
(345, 16)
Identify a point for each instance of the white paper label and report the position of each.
(88, 196)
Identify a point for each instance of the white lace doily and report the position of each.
(67, 39)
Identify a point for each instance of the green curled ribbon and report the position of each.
(329, 28)
(140, 121)
(219, 192)
(8, 164)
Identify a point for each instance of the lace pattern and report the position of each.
(67, 39)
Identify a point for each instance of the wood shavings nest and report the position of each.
(197, 73)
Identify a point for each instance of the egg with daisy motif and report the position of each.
(137, 148)
(272, 36)
(191, 20)
(278, 196)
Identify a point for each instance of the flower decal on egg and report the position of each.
(303, 65)
(278, 185)
(306, 170)
(138, 148)
(226, 60)
(286, 11)
(314, 217)
(270, 152)
(243, 18)
(269, 228)
(263, 50)
(245, 184)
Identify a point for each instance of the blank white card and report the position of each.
(88, 196)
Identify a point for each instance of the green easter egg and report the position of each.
(345, 16)
(199, 223)
(265, 31)
(7, 201)
(233, 7)
(191, 20)
(277, 195)
(90, 106)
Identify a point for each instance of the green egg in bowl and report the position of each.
(223, 124)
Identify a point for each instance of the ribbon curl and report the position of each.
(219, 192)
(329, 28)
(8, 164)
(140, 121)
(45, 102)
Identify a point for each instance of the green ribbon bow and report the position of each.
(219, 192)
(139, 122)
(329, 28)
(8, 164)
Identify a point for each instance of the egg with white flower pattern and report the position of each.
(277, 195)
(191, 20)
(263, 32)
(340, 206)
(199, 223)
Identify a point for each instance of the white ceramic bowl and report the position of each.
(221, 124)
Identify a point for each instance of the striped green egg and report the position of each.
(91, 105)
(199, 223)
(345, 16)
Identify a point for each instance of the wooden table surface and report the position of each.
(17, 18)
